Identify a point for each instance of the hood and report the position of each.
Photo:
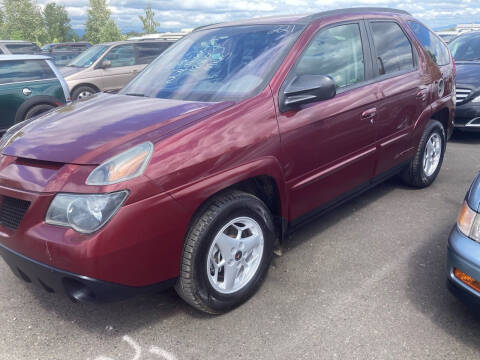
(70, 70)
(468, 74)
(95, 129)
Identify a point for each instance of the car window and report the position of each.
(394, 51)
(122, 55)
(336, 52)
(147, 52)
(466, 47)
(434, 46)
(24, 70)
(88, 57)
(1, 51)
(63, 47)
(23, 48)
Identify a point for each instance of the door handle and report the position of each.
(369, 114)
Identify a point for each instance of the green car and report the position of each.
(29, 86)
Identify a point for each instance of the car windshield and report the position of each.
(88, 57)
(466, 47)
(22, 49)
(228, 63)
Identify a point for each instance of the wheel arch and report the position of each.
(34, 101)
(263, 178)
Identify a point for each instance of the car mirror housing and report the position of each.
(106, 64)
(305, 89)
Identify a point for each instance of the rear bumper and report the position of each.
(76, 287)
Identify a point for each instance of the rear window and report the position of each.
(23, 48)
(435, 47)
(147, 52)
(393, 49)
(24, 70)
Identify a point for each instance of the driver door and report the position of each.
(329, 146)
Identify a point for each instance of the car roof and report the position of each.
(307, 19)
(135, 41)
(23, 57)
(70, 43)
(15, 42)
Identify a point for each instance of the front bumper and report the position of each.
(467, 116)
(464, 255)
(76, 287)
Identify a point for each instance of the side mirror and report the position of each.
(106, 64)
(306, 89)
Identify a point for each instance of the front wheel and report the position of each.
(425, 166)
(37, 110)
(227, 253)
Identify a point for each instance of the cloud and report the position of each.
(192, 13)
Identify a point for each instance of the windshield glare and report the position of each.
(88, 57)
(466, 47)
(221, 64)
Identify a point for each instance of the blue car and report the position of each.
(464, 249)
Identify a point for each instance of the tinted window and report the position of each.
(24, 70)
(219, 64)
(393, 49)
(466, 47)
(147, 52)
(434, 46)
(122, 55)
(336, 52)
(87, 58)
(23, 48)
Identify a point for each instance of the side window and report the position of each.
(24, 70)
(394, 51)
(147, 52)
(434, 46)
(336, 52)
(1, 51)
(122, 55)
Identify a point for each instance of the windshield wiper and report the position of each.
(136, 94)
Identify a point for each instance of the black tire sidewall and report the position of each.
(433, 127)
(256, 210)
(37, 110)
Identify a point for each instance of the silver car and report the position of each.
(109, 67)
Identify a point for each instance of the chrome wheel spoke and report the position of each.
(432, 154)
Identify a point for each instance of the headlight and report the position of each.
(125, 166)
(469, 222)
(85, 213)
(476, 100)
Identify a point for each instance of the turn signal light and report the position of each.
(467, 280)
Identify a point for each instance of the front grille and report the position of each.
(462, 94)
(12, 211)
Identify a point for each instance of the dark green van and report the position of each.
(29, 85)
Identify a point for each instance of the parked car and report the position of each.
(64, 53)
(447, 36)
(18, 47)
(236, 135)
(466, 51)
(109, 67)
(464, 249)
(29, 86)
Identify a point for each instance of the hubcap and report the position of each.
(432, 154)
(235, 255)
(84, 94)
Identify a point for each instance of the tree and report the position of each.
(2, 23)
(23, 20)
(57, 22)
(149, 23)
(99, 26)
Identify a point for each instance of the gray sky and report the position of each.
(174, 15)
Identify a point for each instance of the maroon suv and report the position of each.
(231, 138)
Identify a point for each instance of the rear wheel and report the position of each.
(425, 166)
(37, 110)
(83, 92)
(227, 253)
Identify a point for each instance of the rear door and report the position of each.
(122, 69)
(402, 90)
(329, 146)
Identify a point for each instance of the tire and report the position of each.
(205, 286)
(418, 173)
(37, 110)
(83, 92)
